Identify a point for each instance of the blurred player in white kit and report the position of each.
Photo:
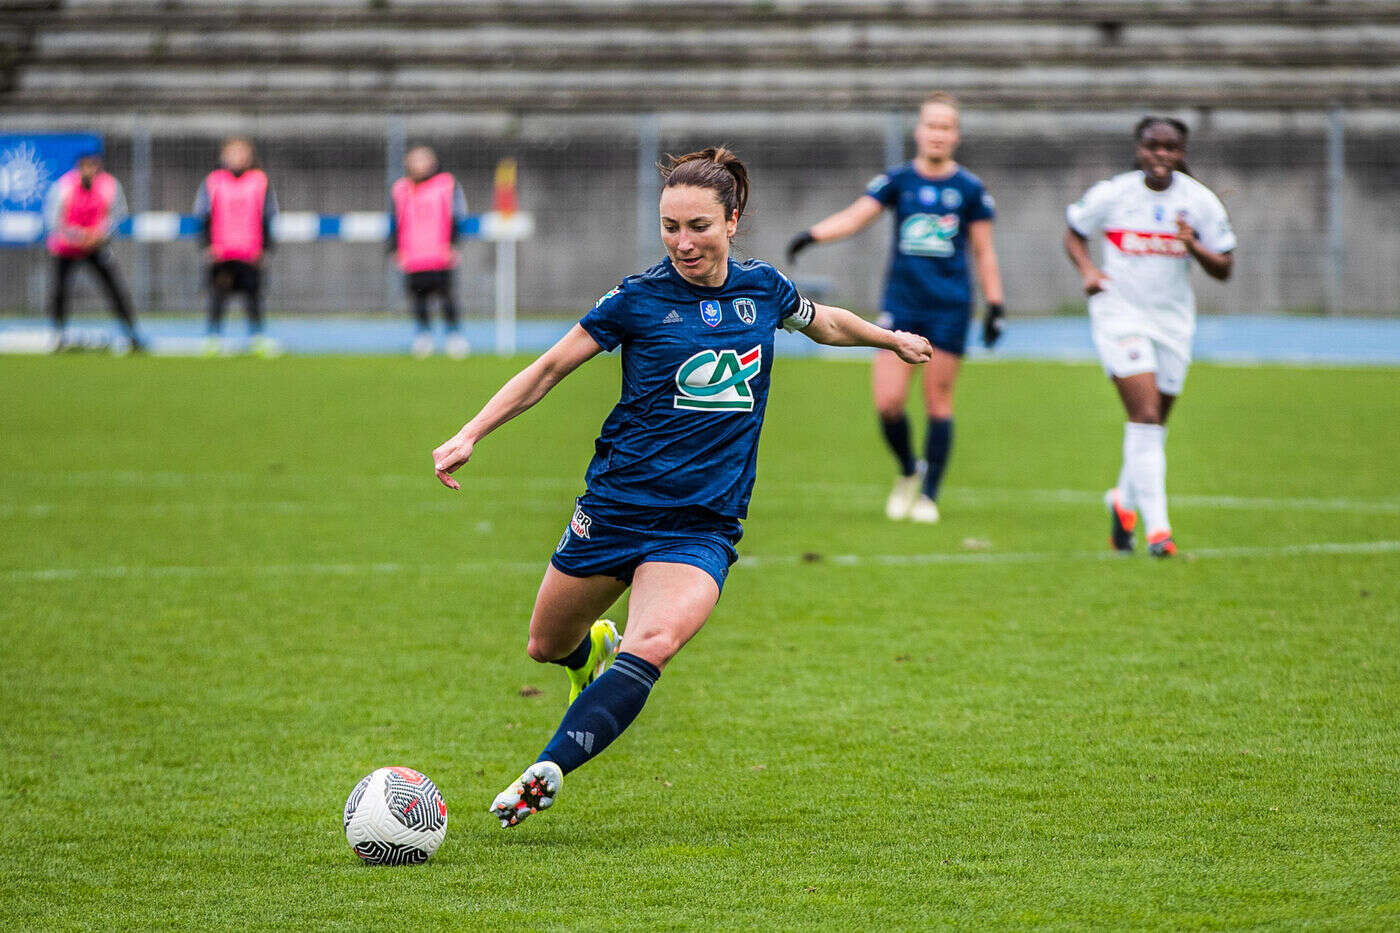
(1153, 222)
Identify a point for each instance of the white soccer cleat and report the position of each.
(925, 510)
(902, 497)
(422, 346)
(533, 792)
(457, 347)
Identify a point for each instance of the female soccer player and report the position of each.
(236, 207)
(1153, 222)
(940, 211)
(427, 204)
(674, 464)
(81, 210)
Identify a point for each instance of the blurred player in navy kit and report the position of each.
(80, 211)
(426, 206)
(674, 463)
(941, 212)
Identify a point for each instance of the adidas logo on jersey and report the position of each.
(673, 318)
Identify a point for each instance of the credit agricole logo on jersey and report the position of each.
(718, 381)
(928, 235)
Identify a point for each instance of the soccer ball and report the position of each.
(395, 816)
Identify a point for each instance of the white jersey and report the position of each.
(1148, 292)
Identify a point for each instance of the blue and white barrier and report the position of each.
(26, 228)
(505, 230)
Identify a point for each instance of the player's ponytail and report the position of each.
(715, 168)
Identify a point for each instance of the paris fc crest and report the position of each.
(745, 308)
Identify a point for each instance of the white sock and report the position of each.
(1125, 480)
(1145, 456)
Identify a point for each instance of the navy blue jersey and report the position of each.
(696, 364)
(928, 262)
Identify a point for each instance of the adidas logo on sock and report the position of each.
(673, 318)
(584, 739)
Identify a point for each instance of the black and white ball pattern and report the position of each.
(395, 816)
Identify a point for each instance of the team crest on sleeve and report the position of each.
(718, 380)
(710, 313)
(876, 183)
(746, 309)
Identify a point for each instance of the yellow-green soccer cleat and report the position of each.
(606, 641)
(533, 792)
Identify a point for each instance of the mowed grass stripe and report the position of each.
(60, 574)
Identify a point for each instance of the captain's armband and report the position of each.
(799, 320)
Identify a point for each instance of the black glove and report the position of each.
(991, 324)
(798, 243)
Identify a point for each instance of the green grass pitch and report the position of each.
(231, 588)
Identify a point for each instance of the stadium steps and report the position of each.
(494, 46)
(696, 13)
(531, 55)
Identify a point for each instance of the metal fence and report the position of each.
(1312, 196)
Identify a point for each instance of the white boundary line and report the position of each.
(520, 493)
(63, 574)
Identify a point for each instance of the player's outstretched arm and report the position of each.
(523, 390)
(837, 327)
(841, 224)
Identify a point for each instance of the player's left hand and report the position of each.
(1185, 233)
(992, 325)
(912, 348)
(451, 455)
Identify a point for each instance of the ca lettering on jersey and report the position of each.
(718, 380)
(928, 235)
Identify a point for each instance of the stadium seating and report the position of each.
(528, 55)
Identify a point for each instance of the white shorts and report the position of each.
(1132, 355)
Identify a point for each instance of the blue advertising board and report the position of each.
(29, 164)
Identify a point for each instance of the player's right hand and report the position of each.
(798, 243)
(1094, 282)
(456, 451)
(912, 348)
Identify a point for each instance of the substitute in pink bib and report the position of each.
(81, 210)
(426, 206)
(236, 208)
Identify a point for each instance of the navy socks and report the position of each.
(579, 656)
(936, 449)
(896, 432)
(601, 712)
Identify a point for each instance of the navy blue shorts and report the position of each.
(611, 539)
(945, 328)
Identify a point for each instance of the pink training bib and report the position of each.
(81, 210)
(423, 212)
(236, 214)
